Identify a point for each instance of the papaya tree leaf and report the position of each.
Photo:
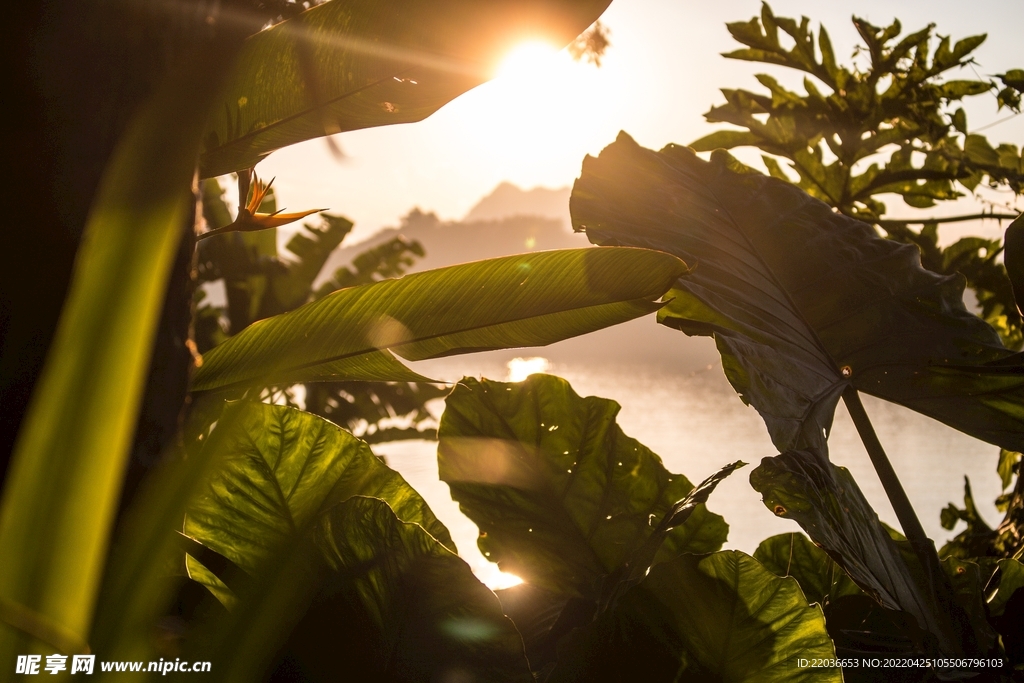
(349, 65)
(721, 617)
(826, 501)
(801, 300)
(526, 300)
(281, 469)
(562, 496)
(821, 579)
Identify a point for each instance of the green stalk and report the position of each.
(62, 490)
(938, 585)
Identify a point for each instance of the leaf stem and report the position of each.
(949, 219)
(938, 586)
(890, 482)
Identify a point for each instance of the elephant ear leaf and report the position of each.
(802, 301)
(414, 605)
(826, 501)
(822, 580)
(280, 470)
(364, 590)
(353, 64)
(563, 498)
(720, 617)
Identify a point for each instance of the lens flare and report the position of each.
(528, 60)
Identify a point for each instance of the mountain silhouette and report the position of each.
(507, 200)
(513, 221)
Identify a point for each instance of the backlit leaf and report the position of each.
(822, 580)
(526, 300)
(283, 468)
(347, 65)
(562, 497)
(801, 300)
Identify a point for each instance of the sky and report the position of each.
(661, 73)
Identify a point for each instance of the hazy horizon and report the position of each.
(661, 73)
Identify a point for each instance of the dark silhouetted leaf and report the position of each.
(1013, 257)
(968, 581)
(367, 594)
(412, 608)
(562, 497)
(1011, 578)
(973, 541)
(801, 300)
(828, 504)
(721, 617)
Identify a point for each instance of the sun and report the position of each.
(527, 60)
(534, 104)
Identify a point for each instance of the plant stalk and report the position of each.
(890, 482)
(938, 584)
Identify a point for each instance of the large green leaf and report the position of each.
(822, 580)
(801, 300)
(826, 501)
(722, 617)
(366, 594)
(352, 64)
(280, 470)
(525, 300)
(419, 613)
(562, 497)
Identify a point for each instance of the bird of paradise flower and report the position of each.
(249, 219)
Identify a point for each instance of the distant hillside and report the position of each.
(508, 200)
(513, 221)
(447, 243)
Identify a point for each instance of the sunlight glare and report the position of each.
(527, 60)
(521, 368)
(494, 578)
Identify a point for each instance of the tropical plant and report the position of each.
(298, 547)
(232, 101)
(889, 124)
(259, 284)
(808, 305)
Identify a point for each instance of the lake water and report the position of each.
(694, 420)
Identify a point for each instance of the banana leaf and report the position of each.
(525, 300)
(346, 65)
